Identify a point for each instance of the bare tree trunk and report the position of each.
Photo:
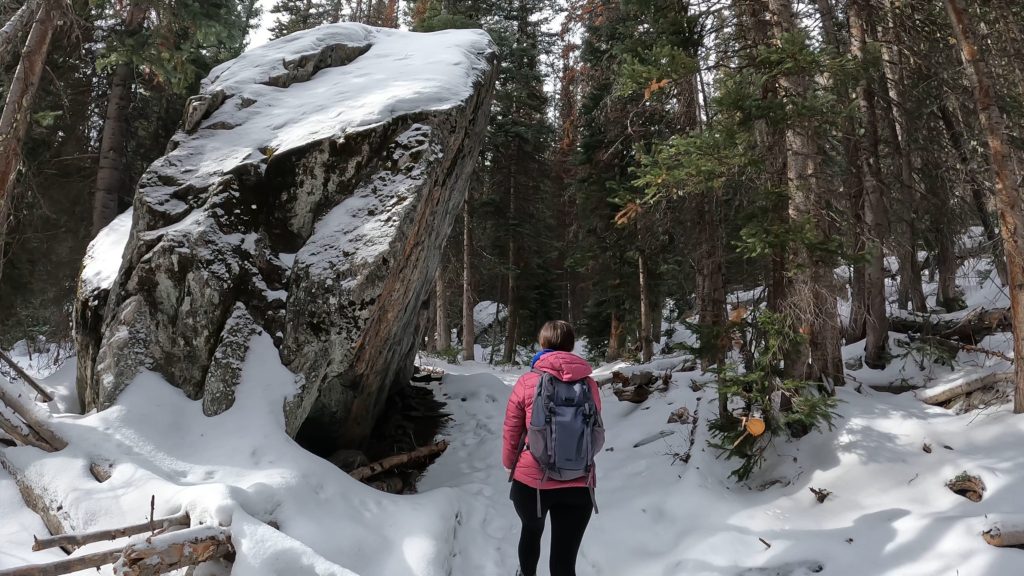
(875, 218)
(615, 338)
(657, 316)
(1007, 192)
(444, 341)
(828, 24)
(710, 283)
(899, 127)
(468, 327)
(646, 340)
(112, 179)
(511, 333)
(853, 186)
(18, 109)
(755, 31)
(978, 193)
(856, 328)
(811, 297)
(947, 298)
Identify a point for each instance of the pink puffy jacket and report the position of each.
(564, 366)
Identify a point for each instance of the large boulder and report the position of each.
(307, 195)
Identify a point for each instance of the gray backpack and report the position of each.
(565, 431)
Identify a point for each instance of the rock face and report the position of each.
(308, 196)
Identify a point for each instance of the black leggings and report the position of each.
(570, 513)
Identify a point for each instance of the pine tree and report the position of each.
(178, 42)
(293, 16)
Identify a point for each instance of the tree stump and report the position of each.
(967, 485)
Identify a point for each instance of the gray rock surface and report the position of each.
(307, 196)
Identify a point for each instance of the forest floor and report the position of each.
(668, 506)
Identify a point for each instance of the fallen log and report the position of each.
(23, 437)
(174, 550)
(1004, 536)
(953, 347)
(82, 539)
(967, 485)
(68, 566)
(942, 394)
(389, 484)
(32, 418)
(24, 376)
(972, 328)
(397, 460)
(55, 517)
(634, 394)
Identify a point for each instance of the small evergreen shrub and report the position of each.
(789, 408)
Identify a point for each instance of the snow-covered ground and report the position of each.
(889, 514)
(661, 514)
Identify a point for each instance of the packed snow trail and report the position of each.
(889, 514)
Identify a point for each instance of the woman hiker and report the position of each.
(565, 441)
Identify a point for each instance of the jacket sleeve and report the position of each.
(515, 424)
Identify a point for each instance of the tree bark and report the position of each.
(174, 550)
(615, 338)
(948, 297)
(444, 341)
(811, 296)
(1007, 191)
(875, 217)
(17, 112)
(468, 327)
(112, 178)
(711, 284)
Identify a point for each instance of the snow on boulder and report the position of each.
(307, 195)
(99, 270)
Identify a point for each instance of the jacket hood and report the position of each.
(565, 366)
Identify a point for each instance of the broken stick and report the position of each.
(24, 376)
(398, 460)
(94, 560)
(110, 534)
